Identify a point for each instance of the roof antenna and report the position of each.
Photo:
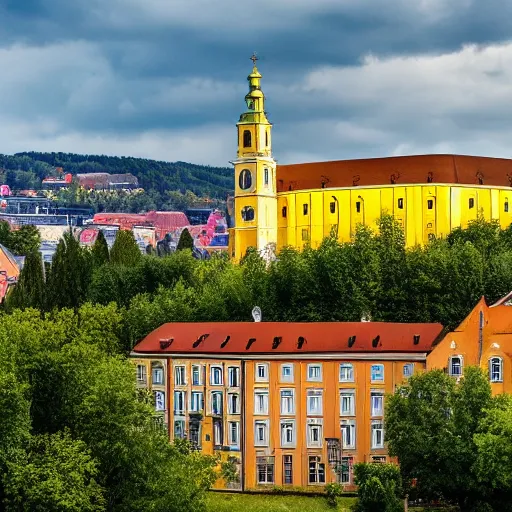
(256, 314)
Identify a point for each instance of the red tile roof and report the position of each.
(319, 337)
(470, 170)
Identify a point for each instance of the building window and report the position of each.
(234, 376)
(234, 432)
(179, 429)
(401, 203)
(262, 372)
(261, 401)
(284, 211)
(358, 206)
(377, 434)
(179, 403)
(471, 202)
(430, 204)
(265, 470)
(316, 471)
(346, 372)
(347, 402)
(247, 139)
(456, 365)
(287, 470)
(196, 401)
(216, 375)
(287, 401)
(217, 403)
(160, 400)
(377, 373)
(265, 172)
(179, 376)
(287, 373)
(346, 469)
(332, 207)
(245, 179)
(314, 435)
(378, 459)
(377, 401)
(233, 403)
(348, 434)
(305, 235)
(287, 433)
(194, 434)
(218, 434)
(408, 370)
(260, 433)
(496, 369)
(314, 373)
(196, 375)
(157, 375)
(305, 208)
(266, 138)
(314, 402)
(141, 374)
(505, 206)
(247, 213)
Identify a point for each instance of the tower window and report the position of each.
(266, 138)
(430, 204)
(266, 176)
(247, 139)
(305, 208)
(401, 203)
(358, 206)
(248, 213)
(305, 235)
(505, 206)
(245, 179)
(284, 211)
(471, 203)
(332, 207)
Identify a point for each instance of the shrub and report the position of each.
(333, 492)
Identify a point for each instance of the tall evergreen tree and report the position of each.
(186, 241)
(100, 253)
(29, 291)
(125, 250)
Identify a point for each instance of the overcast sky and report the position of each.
(166, 79)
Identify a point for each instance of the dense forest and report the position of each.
(166, 185)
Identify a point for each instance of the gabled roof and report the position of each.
(399, 170)
(286, 337)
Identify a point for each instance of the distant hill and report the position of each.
(160, 180)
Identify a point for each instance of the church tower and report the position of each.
(255, 205)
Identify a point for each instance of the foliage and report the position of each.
(125, 250)
(229, 471)
(379, 488)
(100, 253)
(186, 241)
(334, 492)
(20, 241)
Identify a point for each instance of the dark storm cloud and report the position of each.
(117, 73)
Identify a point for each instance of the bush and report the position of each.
(333, 492)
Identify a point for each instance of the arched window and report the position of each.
(496, 369)
(247, 139)
(456, 366)
(248, 213)
(245, 179)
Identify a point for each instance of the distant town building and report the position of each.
(106, 181)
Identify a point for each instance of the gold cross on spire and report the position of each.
(254, 58)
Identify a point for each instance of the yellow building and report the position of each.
(292, 404)
(293, 205)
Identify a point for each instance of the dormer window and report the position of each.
(247, 139)
(456, 365)
(496, 369)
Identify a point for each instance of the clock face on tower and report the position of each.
(245, 179)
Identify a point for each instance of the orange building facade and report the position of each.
(289, 404)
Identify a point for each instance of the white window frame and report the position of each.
(408, 370)
(212, 402)
(159, 400)
(287, 378)
(181, 401)
(218, 434)
(312, 393)
(451, 366)
(196, 401)
(350, 395)
(216, 370)
(377, 403)
(346, 372)
(268, 473)
(142, 374)
(319, 475)
(287, 397)
(314, 378)
(231, 409)
(234, 441)
(234, 370)
(264, 376)
(158, 370)
(374, 434)
(350, 463)
(263, 411)
(373, 376)
(199, 374)
(499, 361)
(310, 442)
(348, 434)
(182, 426)
(263, 424)
(287, 426)
(180, 375)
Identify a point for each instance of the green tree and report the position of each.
(100, 254)
(24, 240)
(186, 241)
(125, 250)
(29, 291)
(58, 475)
